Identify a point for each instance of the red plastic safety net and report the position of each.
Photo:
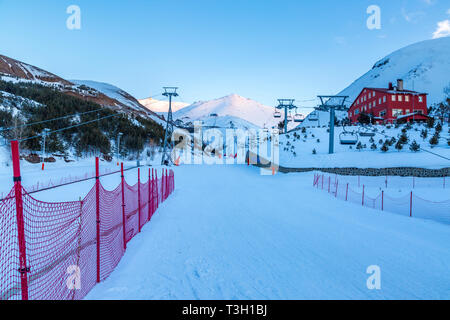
(68, 247)
(408, 205)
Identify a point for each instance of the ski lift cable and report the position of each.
(50, 120)
(69, 127)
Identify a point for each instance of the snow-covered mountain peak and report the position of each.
(424, 67)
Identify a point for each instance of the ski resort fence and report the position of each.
(59, 251)
(409, 205)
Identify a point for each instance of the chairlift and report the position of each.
(314, 116)
(366, 133)
(289, 118)
(348, 138)
(277, 114)
(298, 117)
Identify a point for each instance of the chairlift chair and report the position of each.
(366, 133)
(277, 114)
(314, 116)
(348, 138)
(298, 117)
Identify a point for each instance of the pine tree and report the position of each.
(403, 138)
(434, 140)
(359, 146)
(424, 134)
(414, 147)
(399, 146)
(385, 147)
(373, 146)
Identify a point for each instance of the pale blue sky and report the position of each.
(262, 50)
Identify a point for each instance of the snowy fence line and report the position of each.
(59, 251)
(408, 205)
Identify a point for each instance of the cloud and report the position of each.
(448, 11)
(442, 30)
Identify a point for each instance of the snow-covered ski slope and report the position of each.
(229, 233)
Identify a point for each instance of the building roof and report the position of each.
(393, 91)
(410, 115)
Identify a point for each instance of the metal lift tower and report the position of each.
(168, 146)
(327, 102)
(286, 104)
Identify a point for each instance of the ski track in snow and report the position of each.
(229, 233)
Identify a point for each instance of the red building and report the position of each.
(390, 105)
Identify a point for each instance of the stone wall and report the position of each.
(398, 171)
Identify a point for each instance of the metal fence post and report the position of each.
(23, 269)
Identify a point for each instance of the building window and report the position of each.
(356, 112)
(407, 111)
(418, 111)
(407, 98)
(384, 99)
(397, 112)
(400, 98)
(383, 113)
(420, 99)
(373, 94)
(393, 97)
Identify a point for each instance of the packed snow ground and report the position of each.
(229, 233)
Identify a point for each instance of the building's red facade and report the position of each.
(388, 104)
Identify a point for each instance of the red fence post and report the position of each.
(139, 199)
(20, 220)
(157, 191)
(410, 205)
(124, 218)
(346, 193)
(97, 202)
(149, 194)
(382, 200)
(337, 184)
(363, 195)
(167, 183)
